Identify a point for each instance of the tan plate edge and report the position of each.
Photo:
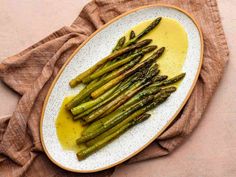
(168, 123)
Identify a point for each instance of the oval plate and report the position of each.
(134, 140)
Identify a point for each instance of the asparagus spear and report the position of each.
(116, 128)
(117, 115)
(158, 98)
(113, 82)
(160, 78)
(98, 145)
(119, 44)
(123, 86)
(87, 112)
(129, 81)
(89, 104)
(131, 35)
(146, 92)
(110, 57)
(115, 103)
(98, 142)
(117, 64)
(92, 87)
(144, 32)
(139, 86)
(140, 95)
(169, 81)
(126, 85)
(98, 124)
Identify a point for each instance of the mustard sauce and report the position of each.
(171, 35)
(68, 130)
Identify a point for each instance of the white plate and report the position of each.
(134, 140)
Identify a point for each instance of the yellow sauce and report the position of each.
(67, 129)
(169, 34)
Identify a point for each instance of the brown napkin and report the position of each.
(31, 72)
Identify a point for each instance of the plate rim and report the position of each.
(76, 51)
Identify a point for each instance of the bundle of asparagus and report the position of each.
(120, 89)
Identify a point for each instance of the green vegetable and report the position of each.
(119, 44)
(160, 78)
(144, 32)
(121, 88)
(84, 106)
(98, 127)
(131, 35)
(117, 127)
(110, 84)
(98, 145)
(92, 87)
(119, 63)
(103, 61)
(139, 96)
(169, 81)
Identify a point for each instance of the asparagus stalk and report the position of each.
(121, 88)
(101, 140)
(116, 117)
(139, 96)
(115, 103)
(160, 78)
(158, 98)
(169, 81)
(117, 72)
(113, 82)
(110, 57)
(110, 98)
(129, 81)
(89, 104)
(139, 86)
(144, 32)
(119, 44)
(99, 144)
(98, 124)
(92, 87)
(116, 128)
(117, 64)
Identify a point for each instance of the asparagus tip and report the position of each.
(162, 49)
(141, 118)
(170, 89)
(73, 83)
(148, 41)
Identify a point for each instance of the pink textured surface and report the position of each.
(210, 151)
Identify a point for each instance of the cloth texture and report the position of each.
(31, 72)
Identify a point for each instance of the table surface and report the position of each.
(211, 149)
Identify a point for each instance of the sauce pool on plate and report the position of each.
(171, 35)
(68, 130)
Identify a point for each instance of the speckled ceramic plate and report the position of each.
(134, 140)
